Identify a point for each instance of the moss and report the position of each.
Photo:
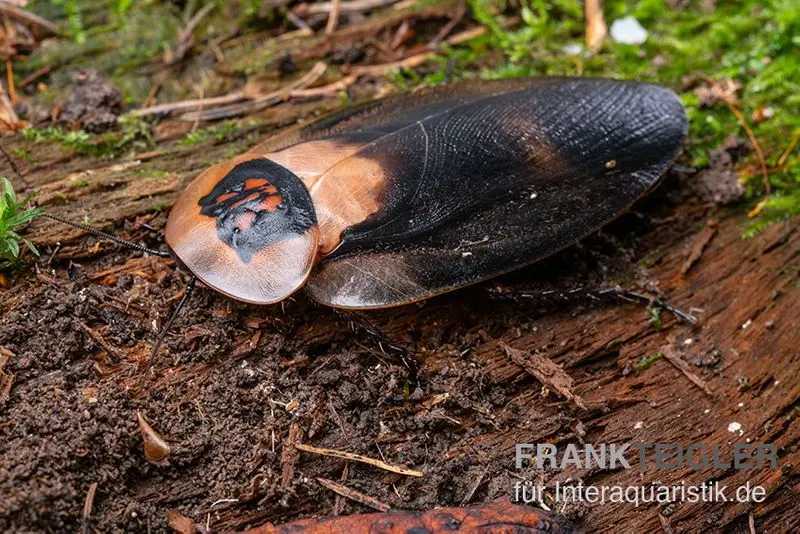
(751, 41)
(219, 133)
(655, 317)
(134, 132)
(23, 154)
(647, 361)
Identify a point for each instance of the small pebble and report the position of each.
(628, 31)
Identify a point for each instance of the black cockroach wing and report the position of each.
(406, 198)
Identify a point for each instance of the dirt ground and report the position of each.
(237, 386)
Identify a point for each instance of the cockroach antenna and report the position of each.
(107, 236)
(154, 353)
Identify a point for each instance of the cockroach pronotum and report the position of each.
(405, 198)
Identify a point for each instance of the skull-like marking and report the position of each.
(257, 203)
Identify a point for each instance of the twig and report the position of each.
(261, 102)
(6, 378)
(338, 503)
(289, 455)
(19, 14)
(385, 68)
(699, 245)
(299, 23)
(461, 10)
(185, 40)
(332, 89)
(199, 112)
(401, 470)
(12, 118)
(418, 59)
(87, 507)
(722, 95)
(190, 105)
(474, 487)
(756, 145)
(35, 75)
(353, 6)
(354, 495)
(683, 367)
(333, 18)
(788, 150)
(100, 341)
(10, 77)
(595, 25)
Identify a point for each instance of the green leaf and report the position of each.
(13, 248)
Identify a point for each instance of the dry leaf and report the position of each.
(156, 449)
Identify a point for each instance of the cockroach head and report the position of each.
(246, 228)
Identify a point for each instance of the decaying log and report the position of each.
(498, 516)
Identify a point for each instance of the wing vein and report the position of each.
(379, 280)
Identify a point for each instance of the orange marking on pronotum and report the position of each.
(255, 183)
(224, 197)
(248, 198)
(271, 203)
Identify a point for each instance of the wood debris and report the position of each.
(545, 371)
(726, 91)
(15, 12)
(399, 469)
(180, 523)
(108, 347)
(260, 102)
(699, 244)
(343, 7)
(6, 378)
(596, 29)
(354, 495)
(190, 105)
(497, 516)
(87, 508)
(333, 17)
(682, 366)
(186, 37)
(289, 455)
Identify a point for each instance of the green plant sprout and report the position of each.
(13, 216)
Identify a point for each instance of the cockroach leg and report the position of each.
(154, 353)
(449, 70)
(358, 323)
(551, 296)
(150, 228)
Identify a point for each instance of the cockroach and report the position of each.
(402, 199)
